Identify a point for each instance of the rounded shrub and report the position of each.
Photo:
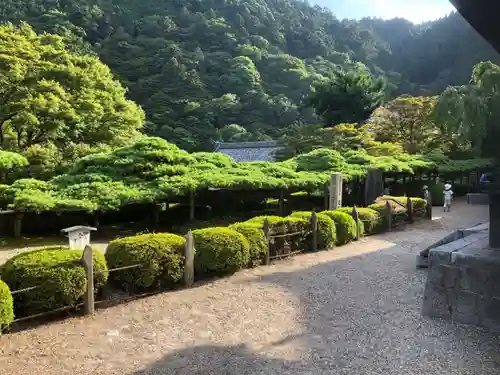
(161, 254)
(6, 306)
(380, 208)
(297, 229)
(346, 226)
(419, 204)
(281, 225)
(327, 231)
(436, 191)
(373, 222)
(220, 251)
(256, 240)
(57, 272)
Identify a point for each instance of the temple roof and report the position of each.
(249, 151)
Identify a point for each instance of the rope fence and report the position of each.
(288, 248)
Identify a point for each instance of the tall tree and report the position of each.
(409, 122)
(348, 97)
(472, 112)
(49, 95)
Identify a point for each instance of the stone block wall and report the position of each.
(463, 282)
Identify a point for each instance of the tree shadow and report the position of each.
(359, 315)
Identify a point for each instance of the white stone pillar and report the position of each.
(335, 190)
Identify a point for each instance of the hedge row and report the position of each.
(57, 272)
(61, 278)
(161, 254)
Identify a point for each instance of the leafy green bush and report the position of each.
(6, 306)
(373, 222)
(380, 208)
(162, 255)
(256, 240)
(220, 251)
(281, 225)
(346, 226)
(297, 229)
(436, 191)
(57, 272)
(153, 170)
(418, 203)
(326, 228)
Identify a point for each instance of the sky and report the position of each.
(417, 11)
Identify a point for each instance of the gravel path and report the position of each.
(354, 310)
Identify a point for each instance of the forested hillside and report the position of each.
(206, 70)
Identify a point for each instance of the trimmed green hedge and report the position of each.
(59, 274)
(417, 203)
(285, 225)
(220, 251)
(6, 306)
(379, 208)
(161, 253)
(256, 240)
(436, 191)
(373, 222)
(281, 225)
(326, 228)
(346, 226)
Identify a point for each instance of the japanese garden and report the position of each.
(112, 114)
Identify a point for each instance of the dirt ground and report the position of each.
(352, 310)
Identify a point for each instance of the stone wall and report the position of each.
(463, 282)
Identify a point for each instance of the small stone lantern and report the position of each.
(78, 236)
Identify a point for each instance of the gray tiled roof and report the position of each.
(249, 151)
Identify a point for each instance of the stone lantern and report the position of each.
(78, 236)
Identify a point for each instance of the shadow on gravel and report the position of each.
(360, 315)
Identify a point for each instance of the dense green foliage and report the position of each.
(346, 226)
(472, 113)
(418, 204)
(399, 204)
(281, 225)
(347, 98)
(57, 105)
(218, 69)
(220, 251)
(373, 222)
(327, 232)
(256, 240)
(152, 170)
(59, 274)
(6, 306)
(11, 162)
(408, 121)
(161, 254)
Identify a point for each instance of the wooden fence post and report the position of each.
(281, 204)
(189, 260)
(355, 216)
(388, 214)
(409, 208)
(88, 264)
(266, 234)
(314, 226)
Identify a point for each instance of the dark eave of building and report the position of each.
(484, 16)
